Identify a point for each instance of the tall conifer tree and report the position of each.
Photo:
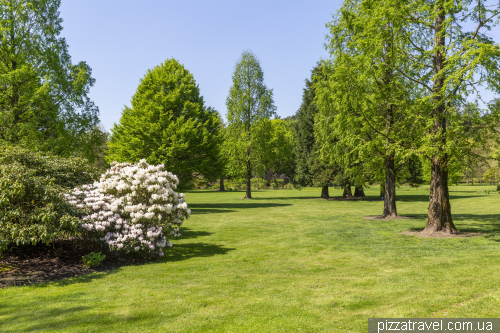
(310, 171)
(249, 102)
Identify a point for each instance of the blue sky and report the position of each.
(121, 40)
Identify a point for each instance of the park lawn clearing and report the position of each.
(280, 263)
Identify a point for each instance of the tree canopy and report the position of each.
(310, 170)
(168, 123)
(248, 103)
(44, 103)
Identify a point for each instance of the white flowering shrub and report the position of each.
(133, 207)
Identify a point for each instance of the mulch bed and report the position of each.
(41, 263)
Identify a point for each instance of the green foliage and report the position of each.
(65, 172)
(492, 174)
(364, 102)
(168, 123)
(258, 183)
(310, 170)
(274, 149)
(250, 104)
(93, 259)
(32, 207)
(305, 139)
(44, 103)
(411, 172)
(249, 99)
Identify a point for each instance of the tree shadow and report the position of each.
(34, 321)
(199, 211)
(425, 197)
(286, 198)
(248, 204)
(192, 250)
(488, 224)
(187, 233)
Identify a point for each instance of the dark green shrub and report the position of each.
(32, 188)
(66, 172)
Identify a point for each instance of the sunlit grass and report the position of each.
(284, 262)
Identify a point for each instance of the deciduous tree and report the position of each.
(44, 103)
(248, 103)
(168, 123)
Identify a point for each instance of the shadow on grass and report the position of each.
(488, 224)
(198, 211)
(247, 204)
(287, 198)
(187, 233)
(425, 198)
(187, 251)
(178, 252)
(43, 320)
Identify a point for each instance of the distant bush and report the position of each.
(256, 183)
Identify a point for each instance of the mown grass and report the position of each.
(283, 262)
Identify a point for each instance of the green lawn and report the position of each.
(284, 262)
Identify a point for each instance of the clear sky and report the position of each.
(121, 40)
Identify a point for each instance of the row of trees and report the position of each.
(363, 119)
(398, 98)
(403, 80)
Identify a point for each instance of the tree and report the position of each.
(168, 123)
(309, 169)
(44, 103)
(435, 67)
(448, 62)
(275, 146)
(248, 103)
(363, 100)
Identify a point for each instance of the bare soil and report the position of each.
(440, 234)
(28, 265)
(380, 218)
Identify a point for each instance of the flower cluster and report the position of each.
(133, 207)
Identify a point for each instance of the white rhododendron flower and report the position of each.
(133, 207)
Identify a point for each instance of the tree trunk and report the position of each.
(221, 186)
(382, 191)
(248, 194)
(390, 188)
(358, 191)
(347, 191)
(324, 192)
(439, 216)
